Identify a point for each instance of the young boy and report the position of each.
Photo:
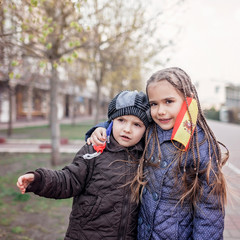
(102, 206)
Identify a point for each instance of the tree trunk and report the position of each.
(2, 18)
(10, 95)
(73, 112)
(29, 102)
(99, 79)
(97, 103)
(54, 123)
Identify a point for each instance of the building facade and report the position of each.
(32, 101)
(230, 111)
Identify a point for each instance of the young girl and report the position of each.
(179, 180)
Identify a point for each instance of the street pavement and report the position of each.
(225, 133)
(229, 135)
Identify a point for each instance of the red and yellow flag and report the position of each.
(182, 131)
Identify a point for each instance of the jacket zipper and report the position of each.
(122, 228)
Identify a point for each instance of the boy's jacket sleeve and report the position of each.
(90, 131)
(65, 183)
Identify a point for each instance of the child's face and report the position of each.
(128, 130)
(165, 102)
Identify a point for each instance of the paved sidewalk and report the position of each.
(232, 219)
(38, 146)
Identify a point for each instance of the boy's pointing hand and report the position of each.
(24, 181)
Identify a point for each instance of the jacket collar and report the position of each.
(165, 135)
(114, 146)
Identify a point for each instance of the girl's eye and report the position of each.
(152, 104)
(120, 119)
(169, 101)
(137, 125)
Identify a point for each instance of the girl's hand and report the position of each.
(98, 137)
(24, 181)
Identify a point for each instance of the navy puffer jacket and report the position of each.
(161, 216)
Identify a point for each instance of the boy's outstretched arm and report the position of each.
(59, 184)
(24, 181)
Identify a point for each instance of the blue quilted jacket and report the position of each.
(161, 217)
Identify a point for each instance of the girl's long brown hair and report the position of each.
(191, 187)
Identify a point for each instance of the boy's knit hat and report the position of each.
(130, 103)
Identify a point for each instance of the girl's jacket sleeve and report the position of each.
(65, 183)
(90, 131)
(209, 216)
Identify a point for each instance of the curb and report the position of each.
(39, 146)
(40, 141)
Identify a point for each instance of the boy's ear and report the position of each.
(149, 116)
(185, 122)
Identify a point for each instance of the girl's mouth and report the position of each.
(164, 121)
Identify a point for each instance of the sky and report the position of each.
(208, 45)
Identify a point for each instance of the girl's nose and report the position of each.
(161, 110)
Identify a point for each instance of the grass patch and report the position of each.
(28, 215)
(20, 197)
(17, 230)
(5, 221)
(75, 132)
(69, 131)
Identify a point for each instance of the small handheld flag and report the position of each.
(185, 125)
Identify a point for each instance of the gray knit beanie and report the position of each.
(130, 103)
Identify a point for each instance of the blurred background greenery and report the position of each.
(69, 131)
